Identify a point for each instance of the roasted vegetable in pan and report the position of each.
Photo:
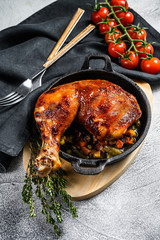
(77, 141)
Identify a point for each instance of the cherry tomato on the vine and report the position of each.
(145, 48)
(126, 18)
(122, 3)
(151, 66)
(111, 36)
(137, 33)
(103, 27)
(130, 61)
(114, 49)
(97, 15)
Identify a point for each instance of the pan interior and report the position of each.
(129, 86)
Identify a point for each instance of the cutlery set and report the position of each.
(35, 81)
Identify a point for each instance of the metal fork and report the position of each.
(36, 81)
(25, 88)
(22, 91)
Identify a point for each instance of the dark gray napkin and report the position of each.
(23, 50)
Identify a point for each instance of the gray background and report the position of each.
(128, 209)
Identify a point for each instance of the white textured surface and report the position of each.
(129, 209)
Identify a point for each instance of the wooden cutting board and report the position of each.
(81, 187)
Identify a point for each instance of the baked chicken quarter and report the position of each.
(103, 108)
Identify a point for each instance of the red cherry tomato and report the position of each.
(114, 49)
(151, 66)
(110, 37)
(130, 63)
(139, 33)
(127, 18)
(98, 15)
(104, 27)
(122, 3)
(145, 48)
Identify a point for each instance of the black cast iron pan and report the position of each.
(95, 166)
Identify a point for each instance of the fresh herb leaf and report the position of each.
(47, 188)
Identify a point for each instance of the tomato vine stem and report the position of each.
(124, 29)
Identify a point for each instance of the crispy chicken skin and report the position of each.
(103, 108)
(54, 112)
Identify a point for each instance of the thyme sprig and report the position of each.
(48, 189)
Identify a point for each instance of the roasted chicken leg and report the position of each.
(103, 108)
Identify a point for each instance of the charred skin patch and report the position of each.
(54, 130)
(65, 101)
(61, 115)
(44, 158)
(49, 113)
(58, 112)
(37, 114)
(65, 113)
(58, 107)
(103, 108)
(89, 120)
(92, 126)
(44, 137)
(40, 102)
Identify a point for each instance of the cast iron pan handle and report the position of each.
(88, 167)
(106, 59)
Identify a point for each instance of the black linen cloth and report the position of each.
(25, 47)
